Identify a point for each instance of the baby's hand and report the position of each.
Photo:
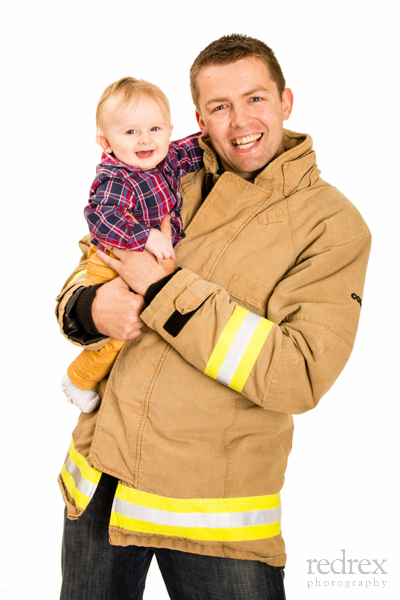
(159, 245)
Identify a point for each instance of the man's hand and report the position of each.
(140, 269)
(160, 245)
(116, 310)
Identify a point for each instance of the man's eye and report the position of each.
(220, 107)
(256, 99)
(131, 131)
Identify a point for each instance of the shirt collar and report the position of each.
(111, 160)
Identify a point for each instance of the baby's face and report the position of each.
(138, 134)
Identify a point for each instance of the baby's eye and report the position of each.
(155, 129)
(131, 131)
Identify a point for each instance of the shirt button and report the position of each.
(172, 214)
(178, 195)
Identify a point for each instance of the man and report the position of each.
(256, 324)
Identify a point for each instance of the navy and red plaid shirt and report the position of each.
(121, 193)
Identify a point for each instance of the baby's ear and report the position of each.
(170, 131)
(103, 143)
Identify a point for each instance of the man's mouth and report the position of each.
(244, 143)
(145, 153)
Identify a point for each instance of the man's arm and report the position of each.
(285, 362)
(115, 309)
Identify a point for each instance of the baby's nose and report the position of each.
(144, 138)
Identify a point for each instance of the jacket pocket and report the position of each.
(248, 291)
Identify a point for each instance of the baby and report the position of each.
(136, 185)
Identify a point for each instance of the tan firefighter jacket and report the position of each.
(198, 426)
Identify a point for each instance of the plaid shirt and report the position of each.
(121, 193)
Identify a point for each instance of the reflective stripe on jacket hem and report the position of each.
(79, 478)
(213, 519)
(237, 348)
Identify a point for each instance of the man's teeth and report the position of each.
(246, 142)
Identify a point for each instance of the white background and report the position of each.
(339, 58)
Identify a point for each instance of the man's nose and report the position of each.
(240, 115)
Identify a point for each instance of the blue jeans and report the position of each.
(93, 569)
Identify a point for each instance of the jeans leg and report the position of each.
(92, 568)
(196, 577)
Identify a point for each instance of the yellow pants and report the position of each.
(91, 366)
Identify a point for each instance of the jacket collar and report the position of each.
(294, 169)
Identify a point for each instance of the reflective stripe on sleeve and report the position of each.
(215, 519)
(80, 276)
(79, 478)
(237, 348)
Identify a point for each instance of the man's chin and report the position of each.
(250, 166)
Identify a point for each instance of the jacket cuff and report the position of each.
(177, 301)
(78, 323)
(156, 287)
(82, 309)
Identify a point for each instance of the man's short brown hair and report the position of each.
(229, 49)
(128, 88)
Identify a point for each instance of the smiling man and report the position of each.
(186, 456)
(242, 110)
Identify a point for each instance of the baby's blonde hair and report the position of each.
(129, 87)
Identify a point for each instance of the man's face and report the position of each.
(242, 112)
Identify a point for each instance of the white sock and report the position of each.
(86, 400)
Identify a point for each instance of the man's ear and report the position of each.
(103, 143)
(287, 101)
(201, 123)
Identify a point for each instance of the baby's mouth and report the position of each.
(244, 143)
(145, 153)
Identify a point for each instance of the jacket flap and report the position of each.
(193, 296)
(271, 216)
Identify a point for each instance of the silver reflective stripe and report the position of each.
(212, 520)
(83, 485)
(238, 348)
(80, 278)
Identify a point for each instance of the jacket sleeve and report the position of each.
(288, 359)
(72, 288)
(109, 219)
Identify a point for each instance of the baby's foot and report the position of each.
(86, 400)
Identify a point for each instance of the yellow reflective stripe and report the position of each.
(226, 534)
(237, 348)
(236, 519)
(81, 500)
(87, 472)
(250, 355)
(224, 342)
(79, 478)
(201, 505)
(80, 276)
